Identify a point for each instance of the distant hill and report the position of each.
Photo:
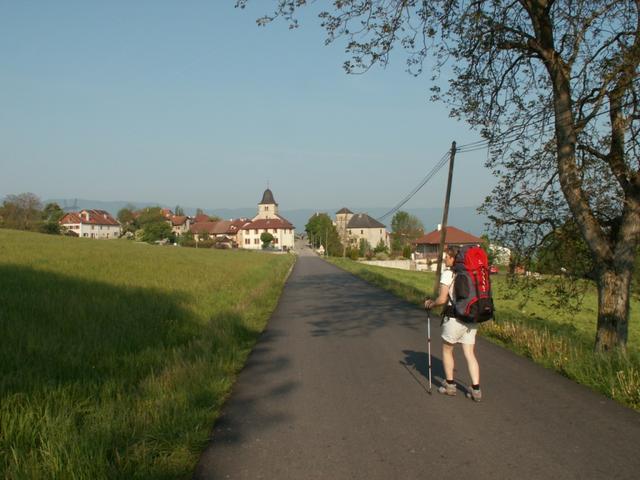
(465, 218)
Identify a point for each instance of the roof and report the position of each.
(221, 227)
(454, 236)
(362, 220)
(267, 198)
(202, 227)
(343, 210)
(178, 220)
(201, 218)
(91, 217)
(264, 223)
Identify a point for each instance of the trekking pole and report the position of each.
(429, 344)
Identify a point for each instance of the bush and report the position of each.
(381, 247)
(407, 251)
(208, 243)
(52, 228)
(266, 238)
(364, 248)
(382, 256)
(352, 253)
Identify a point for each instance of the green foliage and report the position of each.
(266, 238)
(322, 231)
(407, 251)
(206, 242)
(187, 240)
(154, 225)
(405, 228)
(132, 351)
(565, 251)
(52, 213)
(364, 248)
(486, 246)
(127, 219)
(21, 212)
(352, 253)
(381, 247)
(154, 231)
(50, 228)
(179, 211)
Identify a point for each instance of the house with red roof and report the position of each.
(268, 220)
(91, 224)
(201, 218)
(225, 230)
(427, 245)
(179, 224)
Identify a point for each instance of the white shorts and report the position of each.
(455, 331)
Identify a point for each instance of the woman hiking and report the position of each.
(454, 331)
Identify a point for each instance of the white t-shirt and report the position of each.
(446, 278)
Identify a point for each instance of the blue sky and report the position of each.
(191, 103)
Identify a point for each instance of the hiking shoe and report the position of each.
(447, 389)
(475, 395)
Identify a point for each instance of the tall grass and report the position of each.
(115, 357)
(558, 339)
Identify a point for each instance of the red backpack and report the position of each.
(472, 286)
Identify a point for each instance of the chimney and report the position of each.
(439, 226)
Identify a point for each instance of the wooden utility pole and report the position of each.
(445, 215)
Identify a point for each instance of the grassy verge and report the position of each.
(115, 357)
(557, 340)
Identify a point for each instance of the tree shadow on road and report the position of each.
(343, 305)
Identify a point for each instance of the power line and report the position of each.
(423, 182)
(511, 134)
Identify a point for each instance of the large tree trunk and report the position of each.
(613, 308)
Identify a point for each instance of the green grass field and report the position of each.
(116, 356)
(562, 340)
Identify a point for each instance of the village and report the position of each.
(268, 230)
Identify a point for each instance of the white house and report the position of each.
(353, 227)
(180, 224)
(91, 224)
(267, 221)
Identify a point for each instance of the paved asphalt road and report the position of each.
(336, 388)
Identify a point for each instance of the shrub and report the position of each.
(381, 247)
(352, 253)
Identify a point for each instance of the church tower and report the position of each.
(267, 208)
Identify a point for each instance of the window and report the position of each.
(247, 241)
(349, 232)
(361, 232)
(275, 241)
(256, 241)
(255, 231)
(266, 209)
(275, 230)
